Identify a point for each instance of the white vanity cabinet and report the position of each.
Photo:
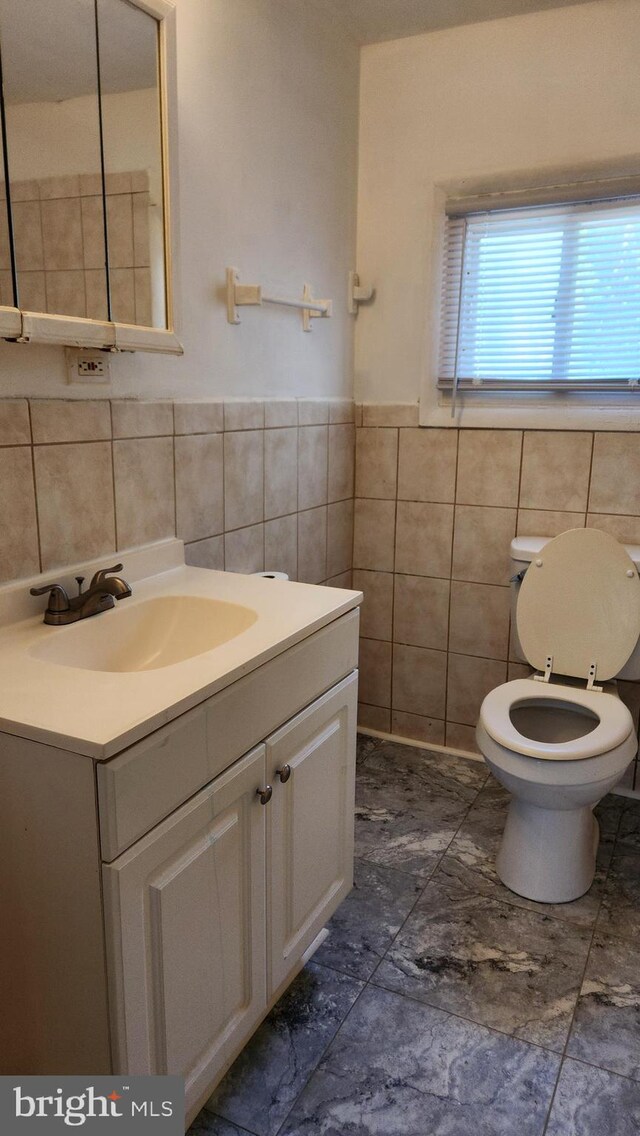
(155, 904)
(209, 916)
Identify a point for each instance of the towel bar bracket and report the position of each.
(358, 294)
(241, 295)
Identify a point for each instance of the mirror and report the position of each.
(7, 289)
(132, 141)
(50, 83)
(84, 148)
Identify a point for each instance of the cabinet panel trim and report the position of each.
(299, 742)
(129, 918)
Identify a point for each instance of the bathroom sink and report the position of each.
(101, 684)
(147, 635)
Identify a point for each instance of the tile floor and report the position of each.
(442, 1004)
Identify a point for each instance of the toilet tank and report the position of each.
(524, 549)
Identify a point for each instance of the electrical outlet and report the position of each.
(88, 366)
(94, 368)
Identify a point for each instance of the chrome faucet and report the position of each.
(102, 593)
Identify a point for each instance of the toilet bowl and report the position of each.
(560, 740)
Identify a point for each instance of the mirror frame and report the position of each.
(73, 331)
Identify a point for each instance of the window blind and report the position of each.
(544, 298)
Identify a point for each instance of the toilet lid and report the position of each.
(580, 603)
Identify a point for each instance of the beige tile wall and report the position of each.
(59, 241)
(251, 485)
(435, 513)
(247, 485)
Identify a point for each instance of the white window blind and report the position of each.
(544, 298)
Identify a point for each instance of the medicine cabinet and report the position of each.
(88, 90)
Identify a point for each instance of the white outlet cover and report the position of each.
(87, 366)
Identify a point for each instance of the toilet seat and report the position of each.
(578, 610)
(613, 728)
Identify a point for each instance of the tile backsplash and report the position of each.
(435, 513)
(247, 485)
(253, 485)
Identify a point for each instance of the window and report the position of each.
(543, 298)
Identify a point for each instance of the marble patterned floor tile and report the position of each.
(266, 1078)
(493, 793)
(206, 1124)
(366, 746)
(368, 920)
(411, 844)
(430, 772)
(629, 830)
(594, 1102)
(606, 1026)
(410, 805)
(397, 1068)
(608, 812)
(504, 967)
(620, 909)
(471, 859)
(462, 865)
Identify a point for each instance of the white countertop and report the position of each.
(99, 713)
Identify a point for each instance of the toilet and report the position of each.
(561, 739)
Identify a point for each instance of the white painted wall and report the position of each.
(550, 89)
(267, 128)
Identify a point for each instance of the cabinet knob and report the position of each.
(284, 773)
(265, 794)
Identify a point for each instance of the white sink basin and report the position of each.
(100, 685)
(147, 635)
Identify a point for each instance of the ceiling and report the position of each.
(373, 20)
(49, 50)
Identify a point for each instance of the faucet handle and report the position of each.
(102, 573)
(58, 598)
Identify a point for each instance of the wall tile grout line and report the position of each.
(353, 492)
(113, 478)
(224, 499)
(175, 480)
(453, 538)
(519, 491)
(35, 484)
(326, 501)
(265, 567)
(393, 584)
(298, 443)
(590, 476)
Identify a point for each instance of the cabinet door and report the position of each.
(186, 933)
(310, 823)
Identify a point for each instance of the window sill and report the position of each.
(550, 412)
